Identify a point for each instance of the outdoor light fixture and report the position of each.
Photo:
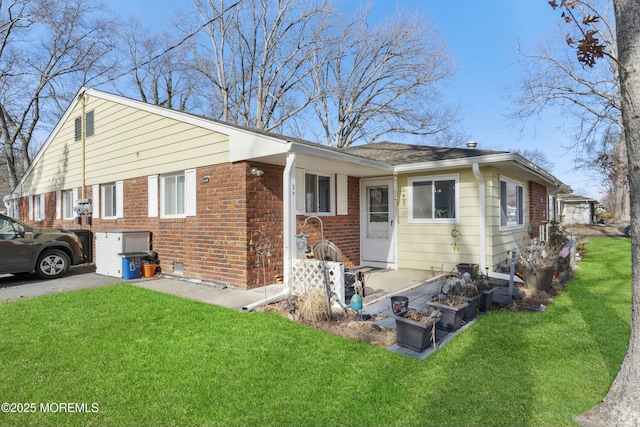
(205, 179)
(256, 172)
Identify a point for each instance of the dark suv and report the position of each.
(47, 252)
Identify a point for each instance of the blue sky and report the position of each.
(481, 35)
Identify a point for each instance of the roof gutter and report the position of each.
(487, 159)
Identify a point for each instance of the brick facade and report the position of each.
(221, 243)
(341, 230)
(538, 206)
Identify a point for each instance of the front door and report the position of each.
(377, 247)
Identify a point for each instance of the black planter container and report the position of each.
(486, 300)
(539, 279)
(414, 335)
(399, 304)
(472, 269)
(451, 318)
(472, 310)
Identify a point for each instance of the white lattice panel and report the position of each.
(309, 274)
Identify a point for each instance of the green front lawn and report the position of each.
(146, 358)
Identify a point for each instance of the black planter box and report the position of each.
(486, 300)
(414, 335)
(451, 318)
(472, 269)
(471, 311)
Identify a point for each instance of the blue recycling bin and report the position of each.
(131, 265)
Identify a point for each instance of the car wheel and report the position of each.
(52, 264)
(627, 231)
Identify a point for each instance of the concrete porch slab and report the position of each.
(381, 283)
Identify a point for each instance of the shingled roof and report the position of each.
(402, 154)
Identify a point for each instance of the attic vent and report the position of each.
(78, 129)
(471, 144)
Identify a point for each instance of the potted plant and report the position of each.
(462, 289)
(539, 262)
(415, 330)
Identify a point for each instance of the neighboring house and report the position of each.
(3, 192)
(575, 209)
(207, 191)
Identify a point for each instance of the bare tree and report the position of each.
(254, 56)
(44, 46)
(383, 80)
(587, 94)
(621, 405)
(158, 67)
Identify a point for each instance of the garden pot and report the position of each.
(539, 279)
(472, 269)
(486, 300)
(148, 270)
(399, 304)
(472, 309)
(451, 318)
(414, 335)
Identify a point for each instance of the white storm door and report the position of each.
(377, 247)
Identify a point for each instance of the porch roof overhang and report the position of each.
(308, 156)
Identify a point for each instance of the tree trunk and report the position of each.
(621, 405)
(620, 186)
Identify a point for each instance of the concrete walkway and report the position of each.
(379, 284)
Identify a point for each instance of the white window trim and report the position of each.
(332, 193)
(524, 204)
(411, 180)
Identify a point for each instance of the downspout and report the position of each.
(288, 231)
(482, 195)
(83, 131)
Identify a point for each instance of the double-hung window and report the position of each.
(173, 192)
(109, 200)
(68, 202)
(511, 203)
(177, 194)
(38, 207)
(433, 199)
(318, 194)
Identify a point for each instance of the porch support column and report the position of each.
(289, 216)
(483, 216)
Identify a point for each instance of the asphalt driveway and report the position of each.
(84, 276)
(78, 277)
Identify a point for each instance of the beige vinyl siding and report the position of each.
(127, 143)
(61, 165)
(429, 246)
(500, 243)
